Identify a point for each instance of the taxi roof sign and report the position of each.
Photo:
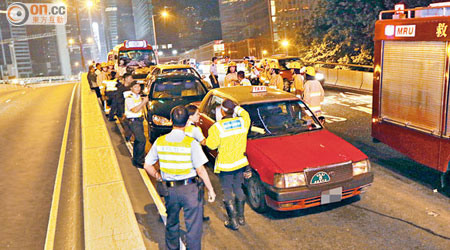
(135, 44)
(259, 89)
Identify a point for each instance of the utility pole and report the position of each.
(80, 42)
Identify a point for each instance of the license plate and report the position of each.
(332, 195)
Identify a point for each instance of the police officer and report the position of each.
(133, 111)
(181, 159)
(229, 136)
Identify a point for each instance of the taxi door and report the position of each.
(208, 115)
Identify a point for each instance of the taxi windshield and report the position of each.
(141, 58)
(176, 88)
(180, 70)
(280, 118)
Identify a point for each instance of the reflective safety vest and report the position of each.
(137, 101)
(229, 136)
(314, 95)
(175, 157)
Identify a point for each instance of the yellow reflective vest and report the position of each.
(136, 100)
(229, 137)
(175, 157)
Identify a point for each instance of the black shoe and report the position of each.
(231, 222)
(112, 120)
(240, 204)
(205, 218)
(138, 165)
(127, 138)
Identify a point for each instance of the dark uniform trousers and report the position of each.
(186, 197)
(214, 81)
(232, 182)
(137, 128)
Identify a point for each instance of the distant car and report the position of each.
(285, 71)
(167, 91)
(174, 68)
(296, 162)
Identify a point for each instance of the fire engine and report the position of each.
(411, 84)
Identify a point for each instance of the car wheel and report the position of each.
(255, 194)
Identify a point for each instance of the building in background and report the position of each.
(267, 21)
(143, 21)
(190, 27)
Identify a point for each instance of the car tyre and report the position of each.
(255, 194)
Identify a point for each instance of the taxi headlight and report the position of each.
(319, 76)
(289, 180)
(161, 121)
(361, 167)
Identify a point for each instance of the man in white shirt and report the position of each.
(134, 112)
(213, 75)
(242, 80)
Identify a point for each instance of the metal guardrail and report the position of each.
(45, 79)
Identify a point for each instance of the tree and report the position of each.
(343, 31)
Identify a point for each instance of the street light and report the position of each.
(174, 52)
(264, 52)
(89, 4)
(285, 45)
(164, 14)
(160, 53)
(89, 40)
(71, 41)
(76, 64)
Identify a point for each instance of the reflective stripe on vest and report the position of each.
(233, 166)
(230, 128)
(175, 157)
(313, 94)
(128, 112)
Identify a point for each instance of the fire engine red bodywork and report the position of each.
(430, 150)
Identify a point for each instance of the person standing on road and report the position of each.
(134, 112)
(242, 80)
(229, 137)
(314, 94)
(231, 77)
(181, 159)
(195, 132)
(276, 80)
(213, 75)
(118, 102)
(254, 74)
(299, 87)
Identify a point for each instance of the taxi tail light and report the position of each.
(361, 167)
(161, 120)
(289, 180)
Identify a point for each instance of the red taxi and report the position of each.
(296, 162)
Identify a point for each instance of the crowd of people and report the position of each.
(176, 160)
(268, 73)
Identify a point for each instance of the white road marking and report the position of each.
(51, 228)
(8, 100)
(355, 101)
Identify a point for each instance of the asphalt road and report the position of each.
(32, 122)
(400, 210)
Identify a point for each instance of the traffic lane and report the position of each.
(349, 115)
(371, 222)
(31, 130)
(69, 233)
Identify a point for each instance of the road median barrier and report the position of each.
(109, 219)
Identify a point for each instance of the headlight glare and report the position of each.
(161, 121)
(289, 180)
(361, 167)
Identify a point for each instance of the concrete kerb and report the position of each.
(109, 219)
